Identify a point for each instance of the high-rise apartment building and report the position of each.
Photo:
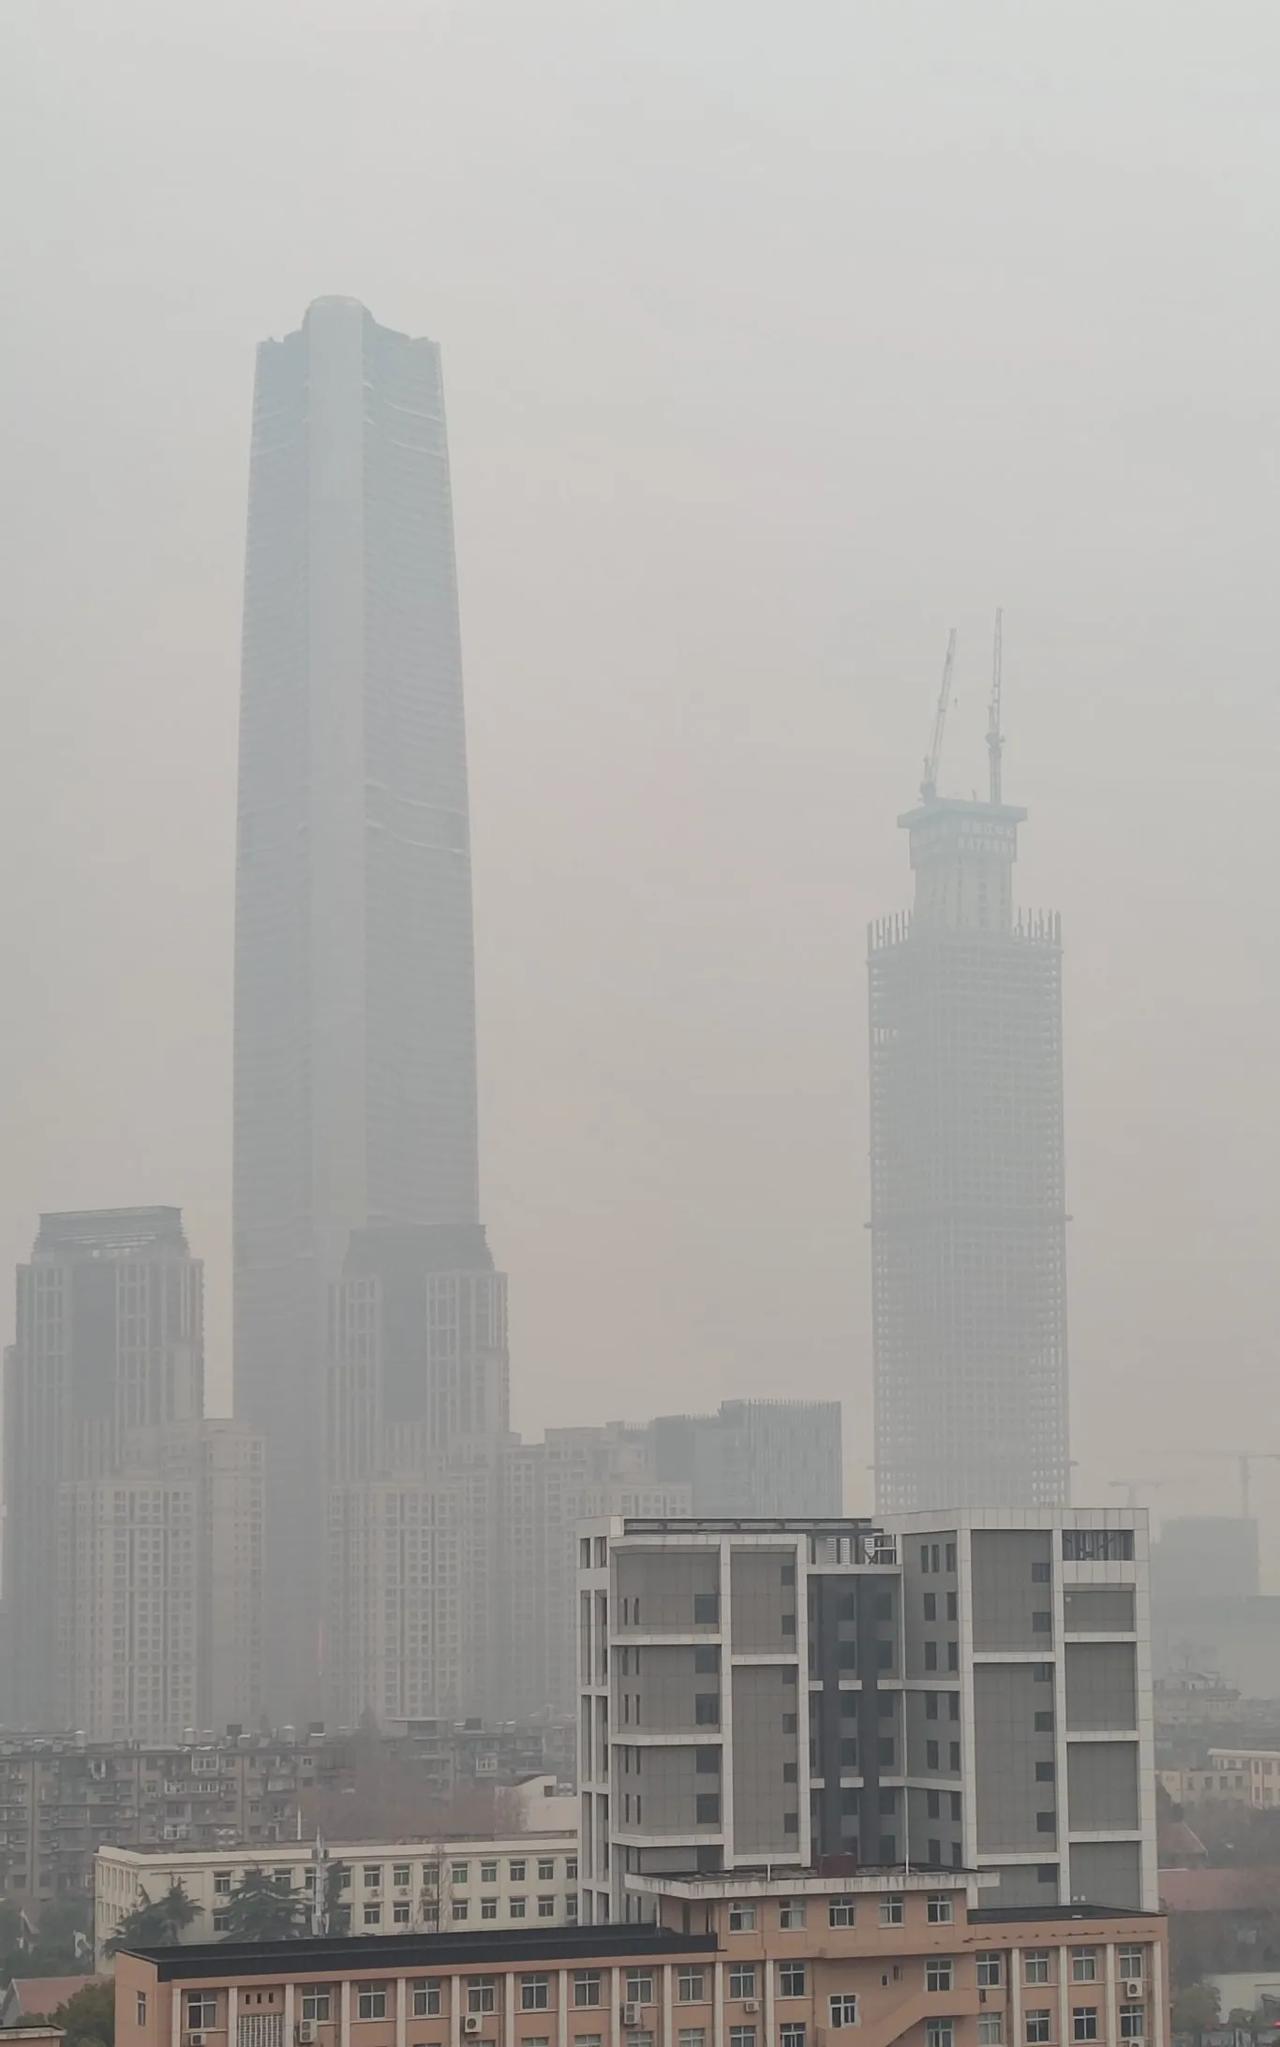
(968, 1207)
(133, 1559)
(755, 1456)
(933, 1692)
(355, 1088)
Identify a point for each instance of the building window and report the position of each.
(372, 1877)
(844, 2009)
(841, 1912)
(400, 1874)
(791, 1915)
(692, 2036)
(706, 1709)
(990, 1971)
(706, 1809)
(546, 1869)
(1042, 1622)
(742, 1980)
(141, 2008)
(201, 2012)
(571, 1869)
(535, 1993)
(517, 1908)
(891, 1910)
(1129, 1961)
(1037, 2027)
(371, 2001)
(546, 1908)
(1040, 1574)
(400, 1912)
(586, 1988)
(482, 1994)
(515, 1870)
(458, 1872)
(742, 2036)
(1046, 1823)
(222, 1883)
(1035, 1965)
(791, 2035)
(639, 1986)
(940, 1910)
(940, 2033)
(691, 1986)
(1133, 2018)
(460, 1910)
(316, 2005)
(931, 1656)
(938, 1975)
(1084, 1965)
(1084, 2022)
(373, 1915)
(222, 1922)
(990, 2029)
(706, 1609)
(742, 1918)
(488, 1872)
(1097, 1545)
(426, 1998)
(792, 1979)
(488, 1908)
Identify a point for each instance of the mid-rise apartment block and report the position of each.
(133, 1551)
(968, 1692)
(354, 1887)
(726, 1962)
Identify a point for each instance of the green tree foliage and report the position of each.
(155, 1923)
(89, 2018)
(264, 1907)
(1195, 2008)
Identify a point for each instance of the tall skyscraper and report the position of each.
(355, 1087)
(968, 1205)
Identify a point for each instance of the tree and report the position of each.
(158, 1923)
(1195, 2008)
(89, 2018)
(264, 1907)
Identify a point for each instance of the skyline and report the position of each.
(714, 517)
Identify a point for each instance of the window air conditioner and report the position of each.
(471, 2024)
(1132, 1990)
(195, 2040)
(306, 2032)
(750, 2004)
(630, 2014)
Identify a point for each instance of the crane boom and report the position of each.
(995, 737)
(929, 780)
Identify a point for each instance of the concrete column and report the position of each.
(402, 2009)
(289, 1997)
(175, 2013)
(613, 2031)
(562, 2008)
(717, 2006)
(1064, 1999)
(1159, 2015)
(1112, 2033)
(455, 2010)
(508, 2006)
(344, 2012)
(767, 1991)
(666, 2037)
(1015, 1997)
(233, 2017)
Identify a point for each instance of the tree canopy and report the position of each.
(158, 1922)
(264, 1907)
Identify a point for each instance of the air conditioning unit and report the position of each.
(471, 2024)
(306, 2032)
(195, 2040)
(630, 2014)
(1132, 1990)
(750, 2004)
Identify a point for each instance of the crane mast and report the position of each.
(995, 737)
(929, 780)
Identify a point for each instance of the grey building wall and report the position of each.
(1102, 1781)
(1012, 1590)
(1101, 1686)
(766, 1790)
(1012, 1759)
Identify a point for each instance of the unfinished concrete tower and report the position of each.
(968, 1217)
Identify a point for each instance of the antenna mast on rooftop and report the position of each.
(995, 737)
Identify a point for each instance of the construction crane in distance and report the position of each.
(1131, 1487)
(932, 760)
(995, 737)
(1246, 1459)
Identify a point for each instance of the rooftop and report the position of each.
(376, 1953)
(990, 1915)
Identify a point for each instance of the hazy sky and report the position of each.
(777, 339)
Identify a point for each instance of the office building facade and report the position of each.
(355, 1089)
(968, 1203)
(932, 1691)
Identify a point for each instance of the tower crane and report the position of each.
(995, 737)
(1131, 1487)
(1246, 1459)
(932, 760)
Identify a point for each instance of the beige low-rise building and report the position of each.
(729, 1962)
(354, 1887)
